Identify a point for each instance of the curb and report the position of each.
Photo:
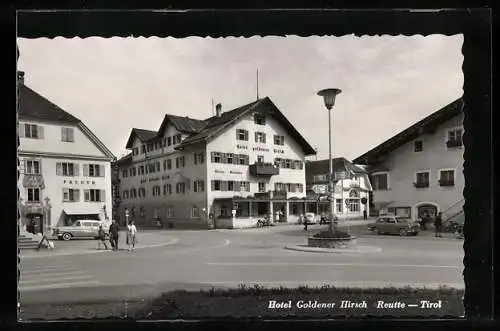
(173, 241)
(357, 250)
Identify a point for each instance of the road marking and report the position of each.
(56, 286)
(334, 265)
(55, 279)
(40, 275)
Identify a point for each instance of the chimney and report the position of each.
(218, 109)
(20, 77)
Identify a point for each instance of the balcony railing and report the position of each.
(454, 143)
(263, 169)
(420, 185)
(279, 194)
(262, 195)
(446, 182)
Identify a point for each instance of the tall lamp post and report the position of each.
(329, 96)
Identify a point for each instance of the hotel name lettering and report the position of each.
(78, 182)
(260, 149)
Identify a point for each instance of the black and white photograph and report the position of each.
(167, 178)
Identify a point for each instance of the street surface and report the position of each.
(193, 260)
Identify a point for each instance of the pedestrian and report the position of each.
(305, 223)
(425, 220)
(438, 224)
(114, 230)
(101, 238)
(131, 235)
(365, 214)
(277, 216)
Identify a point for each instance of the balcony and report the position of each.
(263, 169)
(446, 182)
(454, 143)
(420, 185)
(279, 194)
(262, 195)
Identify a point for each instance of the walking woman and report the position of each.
(131, 235)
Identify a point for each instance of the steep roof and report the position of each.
(322, 167)
(33, 106)
(143, 135)
(216, 125)
(182, 124)
(124, 160)
(428, 124)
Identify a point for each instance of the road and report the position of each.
(206, 259)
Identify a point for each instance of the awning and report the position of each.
(82, 210)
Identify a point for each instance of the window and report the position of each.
(32, 167)
(422, 179)
(229, 158)
(157, 145)
(353, 205)
(143, 149)
(216, 157)
(141, 170)
(169, 141)
(158, 166)
(245, 186)
(447, 178)
(301, 187)
(199, 158)
(124, 173)
(33, 131)
(338, 205)
(67, 135)
(133, 193)
(298, 164)
(150, 147)
(241, 134)
(279, 140)
(156, 191)
(288, 163)
(454, 138)
(169, 164)
(262, 187)
(177, 139)
(170, 211)
(180, 188)
(230, 185)
(418, 145)
(142, 211)
(380, 182)
(169, 188)
(33, 195)
(216, 185)
(259, 119)
(164, 165)
(199, 186)
(260, 158)
(73, 195)
(66, 169)
(135, 151)
(279, 187)
(243, 159)
(125, 194)
(195, 212)
(142, 192)
(93, 170)
(177, 162)
(260, 137)
(93, 195)
(183, 161)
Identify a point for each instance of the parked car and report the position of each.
(80, 229)
(310, 218)
(394, 225)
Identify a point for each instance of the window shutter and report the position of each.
(101, 195)
(223, 185)
(58, 169)
(212, 185)
(64, 190)
(236, 185)
(86, 170)
(86, 194)
(256, 137)
(64, 136)
(21, 130)
(237, 135)
(76, 169)
(248, 186)
(212, 157)
(247, 159)
(71, 134)
(195, 158)
(224, 157)
(76, 195)
(264, 138)
(40, 132)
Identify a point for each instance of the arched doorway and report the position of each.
(426, 211)
(35, 223)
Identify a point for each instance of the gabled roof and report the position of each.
(181, 124)
(143, 135)
(322, 167)
(33, 106)
(217, 125)
(428, 124)
(124, 160)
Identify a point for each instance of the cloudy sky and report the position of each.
(113, 85)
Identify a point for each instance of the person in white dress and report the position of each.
(131, 235)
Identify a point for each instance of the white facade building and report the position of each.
(65, 169)
(196, 173)
(420, 170)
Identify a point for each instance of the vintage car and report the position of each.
(394, 225)
(80, 229)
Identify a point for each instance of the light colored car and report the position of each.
(310, 218)
(80, 229)
(394, 225)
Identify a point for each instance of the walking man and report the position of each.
(438, 224)
(365, 214)
(101, 238)
(113, 231)
(131, 235)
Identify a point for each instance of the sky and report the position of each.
(113, 85)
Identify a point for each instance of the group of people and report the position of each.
(114, 233)
(426, 218)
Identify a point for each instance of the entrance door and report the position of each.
(36, 222)
(428, 209)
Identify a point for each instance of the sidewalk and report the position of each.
(81, 247)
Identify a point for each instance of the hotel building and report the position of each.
(64, 168)
(420, 170)
(352, 188)
(226, 171)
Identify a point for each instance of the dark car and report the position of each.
(394, 225)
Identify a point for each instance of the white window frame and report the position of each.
(32, 172)
(260, 157)
(447, 132)
(244, 186)
(388, 179)
(454, 177)
(39, 194)
(263, 184)
(422, 171)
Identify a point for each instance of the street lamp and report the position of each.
(329, 96)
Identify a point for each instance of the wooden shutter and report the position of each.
(256, 137)
(64, 136)
(76, 169)
(21, 130)
(195, 158)
(40, 132)
(64, 190)
(71, 134)
(237, 135)
(86, 170)
(248, 186)
(212, 185)
(247, 159)
(264, 138)
(236, 186)
(86, 194)
(292, 164)
(102, 195)
(223, 185)
(58, 169)
(76, 195)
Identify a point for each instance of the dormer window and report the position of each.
(418, 146)
(454, 138)
(259, 119)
